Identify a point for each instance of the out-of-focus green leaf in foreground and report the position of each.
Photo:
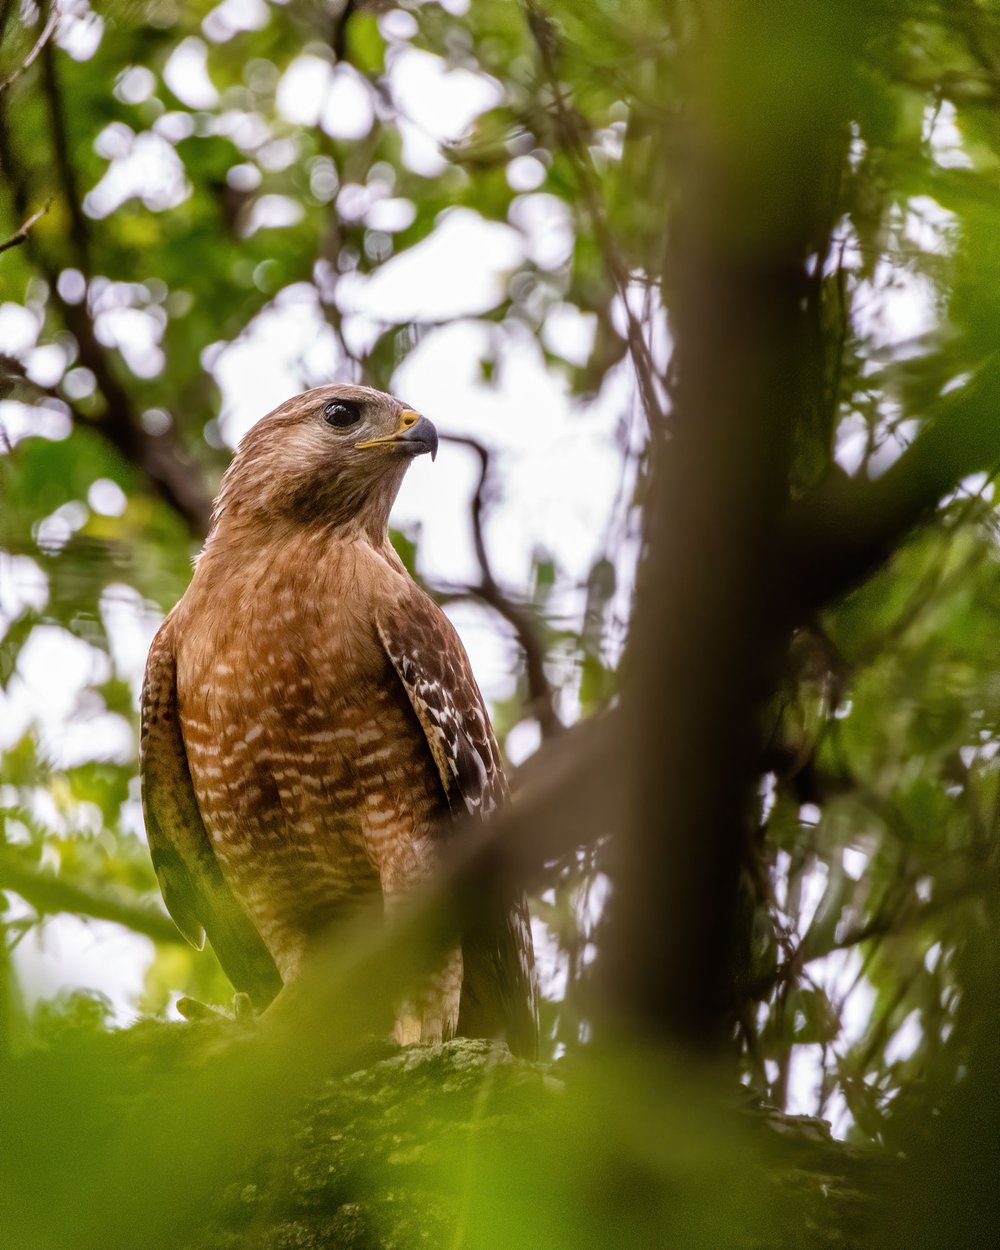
(175, 1135)
(307, 1128)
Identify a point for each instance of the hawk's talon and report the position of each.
(195, 1011)
(243, 1009)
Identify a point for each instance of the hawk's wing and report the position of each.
(189, 874)
(499, 990)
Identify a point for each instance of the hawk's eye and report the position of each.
(342, 413)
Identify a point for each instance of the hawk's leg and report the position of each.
(430, 1012)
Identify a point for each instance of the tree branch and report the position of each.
(159, 458)
(850, 526)
(47, 32)
(21, 234)
(65, 171)
(541, 696)
(50, 894)
(709, 630)
(547, 42)
(338, 33)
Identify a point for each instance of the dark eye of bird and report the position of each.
(342, 413)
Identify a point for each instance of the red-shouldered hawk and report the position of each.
(311, 723)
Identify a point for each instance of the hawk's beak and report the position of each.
(415, 435)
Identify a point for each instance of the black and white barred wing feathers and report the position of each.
(431, 662)
(499, 990)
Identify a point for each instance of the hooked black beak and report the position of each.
(415, 436)
(422, 436)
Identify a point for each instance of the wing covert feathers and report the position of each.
(428, 655)
(499, 990)
(190, 878)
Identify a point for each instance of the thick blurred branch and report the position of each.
(50, 894)
(708, 630)
(842, 533)
(541, 697)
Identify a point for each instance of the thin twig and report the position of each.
(540, 692)
(21, 234)
(546, 41)
(43, 38)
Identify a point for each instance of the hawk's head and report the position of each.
(333, 456)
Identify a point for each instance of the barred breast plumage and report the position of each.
(307, 761)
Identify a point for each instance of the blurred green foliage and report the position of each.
(874, 975)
